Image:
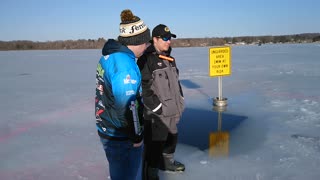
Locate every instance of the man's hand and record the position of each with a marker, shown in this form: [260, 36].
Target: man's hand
[138, 144]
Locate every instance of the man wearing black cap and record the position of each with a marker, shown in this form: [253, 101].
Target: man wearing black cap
[118, 106]
[163, 102]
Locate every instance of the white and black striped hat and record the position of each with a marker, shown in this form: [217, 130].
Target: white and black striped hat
[133, 31]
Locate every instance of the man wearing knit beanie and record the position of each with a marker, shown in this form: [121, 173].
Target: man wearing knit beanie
[118, 106]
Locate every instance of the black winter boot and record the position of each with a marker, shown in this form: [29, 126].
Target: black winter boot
[169, 164]
[152, 173]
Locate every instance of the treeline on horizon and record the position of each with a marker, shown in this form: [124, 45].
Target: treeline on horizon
[183, 42]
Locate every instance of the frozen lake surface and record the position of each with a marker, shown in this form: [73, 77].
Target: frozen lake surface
[270, 129]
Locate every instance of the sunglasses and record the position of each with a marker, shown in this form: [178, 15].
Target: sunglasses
[165, 38]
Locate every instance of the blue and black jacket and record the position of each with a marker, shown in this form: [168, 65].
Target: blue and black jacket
[118, 83]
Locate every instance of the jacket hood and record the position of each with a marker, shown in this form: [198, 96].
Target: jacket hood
[113, 46]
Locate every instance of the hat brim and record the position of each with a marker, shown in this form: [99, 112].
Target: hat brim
[169, 35]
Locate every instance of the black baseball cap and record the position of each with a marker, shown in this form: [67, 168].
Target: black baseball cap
[162, 30]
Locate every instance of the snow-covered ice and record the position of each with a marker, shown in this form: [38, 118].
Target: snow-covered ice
[269, 130]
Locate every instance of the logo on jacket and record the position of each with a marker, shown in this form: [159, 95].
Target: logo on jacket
[130, 92]
[100, 70]
[106, 57]
[128, 80]
[100, 88]
[159, 63]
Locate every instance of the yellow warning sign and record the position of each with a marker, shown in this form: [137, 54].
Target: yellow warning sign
[219, 61]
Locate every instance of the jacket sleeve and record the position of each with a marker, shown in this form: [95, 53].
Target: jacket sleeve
[180, 88]
[150, 99]
[103, 87]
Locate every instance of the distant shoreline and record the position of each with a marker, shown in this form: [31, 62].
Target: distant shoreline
[182, 42]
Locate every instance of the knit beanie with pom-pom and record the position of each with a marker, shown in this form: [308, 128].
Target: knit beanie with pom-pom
[133, 31]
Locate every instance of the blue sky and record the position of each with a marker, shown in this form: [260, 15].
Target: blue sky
[44, 20]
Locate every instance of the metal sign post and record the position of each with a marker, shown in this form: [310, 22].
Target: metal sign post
[220, 87]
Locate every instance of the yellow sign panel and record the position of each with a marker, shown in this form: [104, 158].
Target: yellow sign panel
[220, 61]
[219, 144]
